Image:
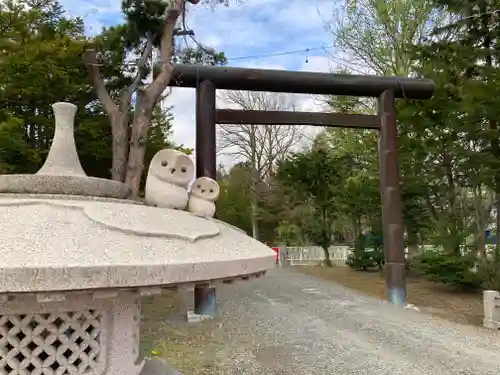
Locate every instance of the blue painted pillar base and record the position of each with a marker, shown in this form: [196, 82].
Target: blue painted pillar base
[397, 296]
[205, 302]
[395, 282]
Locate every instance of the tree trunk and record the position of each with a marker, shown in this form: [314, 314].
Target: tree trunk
[328, 261]
[255, 180]
[497, 221]
[481, 218]
[119, 130]
[356, 227]
[413, 248]
[255, 221]
[138, 137]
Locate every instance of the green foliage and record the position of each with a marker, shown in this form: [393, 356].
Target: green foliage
[200, 55]
[41, 64]
[489, 269]
[15, 153]
[366, 253]
[233, 205]
[316, 176]
[288, 233]
[455, 270]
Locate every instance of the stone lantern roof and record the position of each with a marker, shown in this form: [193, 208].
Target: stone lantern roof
[76, 256]
[63, 230]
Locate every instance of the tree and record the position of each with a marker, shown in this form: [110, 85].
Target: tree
[121, 81]
[261, 147]
[462, 151]
[41, 64]
[360, 196]
[316, 176]
[234, 203]
[379, 37]
[377, 34]
[474, 49]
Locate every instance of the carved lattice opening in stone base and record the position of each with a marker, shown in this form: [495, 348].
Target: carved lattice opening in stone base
[52, 344]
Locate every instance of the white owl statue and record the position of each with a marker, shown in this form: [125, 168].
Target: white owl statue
[168, 178]
[204, 193]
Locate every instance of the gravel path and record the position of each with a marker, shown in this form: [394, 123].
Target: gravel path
[290, 323]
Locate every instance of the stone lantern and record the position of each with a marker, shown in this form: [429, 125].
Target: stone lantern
[76, 256]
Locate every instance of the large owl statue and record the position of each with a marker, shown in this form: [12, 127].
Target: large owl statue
[168, 178]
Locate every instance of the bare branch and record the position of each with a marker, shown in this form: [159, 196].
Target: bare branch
[92, 62]
[263, 146]
[141, 64]
[161, 81]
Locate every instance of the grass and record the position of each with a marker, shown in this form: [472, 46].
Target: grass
[193, 348]
[436, 299]
[189, 348]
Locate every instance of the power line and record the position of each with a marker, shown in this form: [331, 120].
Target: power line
[250, 57]
[305, 50]
[293, 52]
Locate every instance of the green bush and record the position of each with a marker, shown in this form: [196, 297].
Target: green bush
[456, 270]
[489, 269]
[367, 253]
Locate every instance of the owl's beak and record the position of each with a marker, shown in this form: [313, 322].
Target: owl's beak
[203, 190]
[172, 170]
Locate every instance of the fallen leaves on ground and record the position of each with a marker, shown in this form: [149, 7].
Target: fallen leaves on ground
[436, 299]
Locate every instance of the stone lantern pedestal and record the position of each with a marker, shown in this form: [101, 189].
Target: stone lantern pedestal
[70, 333]
[76, 257]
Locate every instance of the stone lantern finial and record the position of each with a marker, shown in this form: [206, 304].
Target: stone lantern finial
[62, 172]
[63, 158]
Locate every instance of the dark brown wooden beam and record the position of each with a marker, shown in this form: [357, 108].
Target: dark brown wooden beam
[227, 78]
[206, 164]
[392, 219]
[236, 116]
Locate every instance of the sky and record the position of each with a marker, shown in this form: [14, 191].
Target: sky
[252, 28]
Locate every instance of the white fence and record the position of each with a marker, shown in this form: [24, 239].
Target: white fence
[310, 255]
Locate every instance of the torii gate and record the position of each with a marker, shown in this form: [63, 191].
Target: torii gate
[207, 79]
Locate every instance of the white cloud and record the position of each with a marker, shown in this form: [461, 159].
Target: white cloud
[255, 28]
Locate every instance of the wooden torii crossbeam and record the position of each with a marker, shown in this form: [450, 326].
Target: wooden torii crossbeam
[207, 79]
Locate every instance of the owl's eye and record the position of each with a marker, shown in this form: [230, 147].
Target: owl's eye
[183, 169]
[164, 163]
[211, 190]
[198, 186]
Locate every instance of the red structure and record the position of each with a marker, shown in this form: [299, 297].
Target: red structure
[276, 250]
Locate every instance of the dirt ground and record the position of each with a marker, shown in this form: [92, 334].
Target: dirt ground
[436, 299]
[212, 347]
[189, 347]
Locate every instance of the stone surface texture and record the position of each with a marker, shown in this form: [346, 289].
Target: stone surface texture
[288, 323]
[158, 367]
[64, 244]
[68, 185]
[74, 261]
[204, 192]
[63, 144]
[77, 333]
[169, 175]
[491, 299]
[55, 241]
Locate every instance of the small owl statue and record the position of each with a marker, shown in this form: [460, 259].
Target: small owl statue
[204, 193]
[168, 178]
